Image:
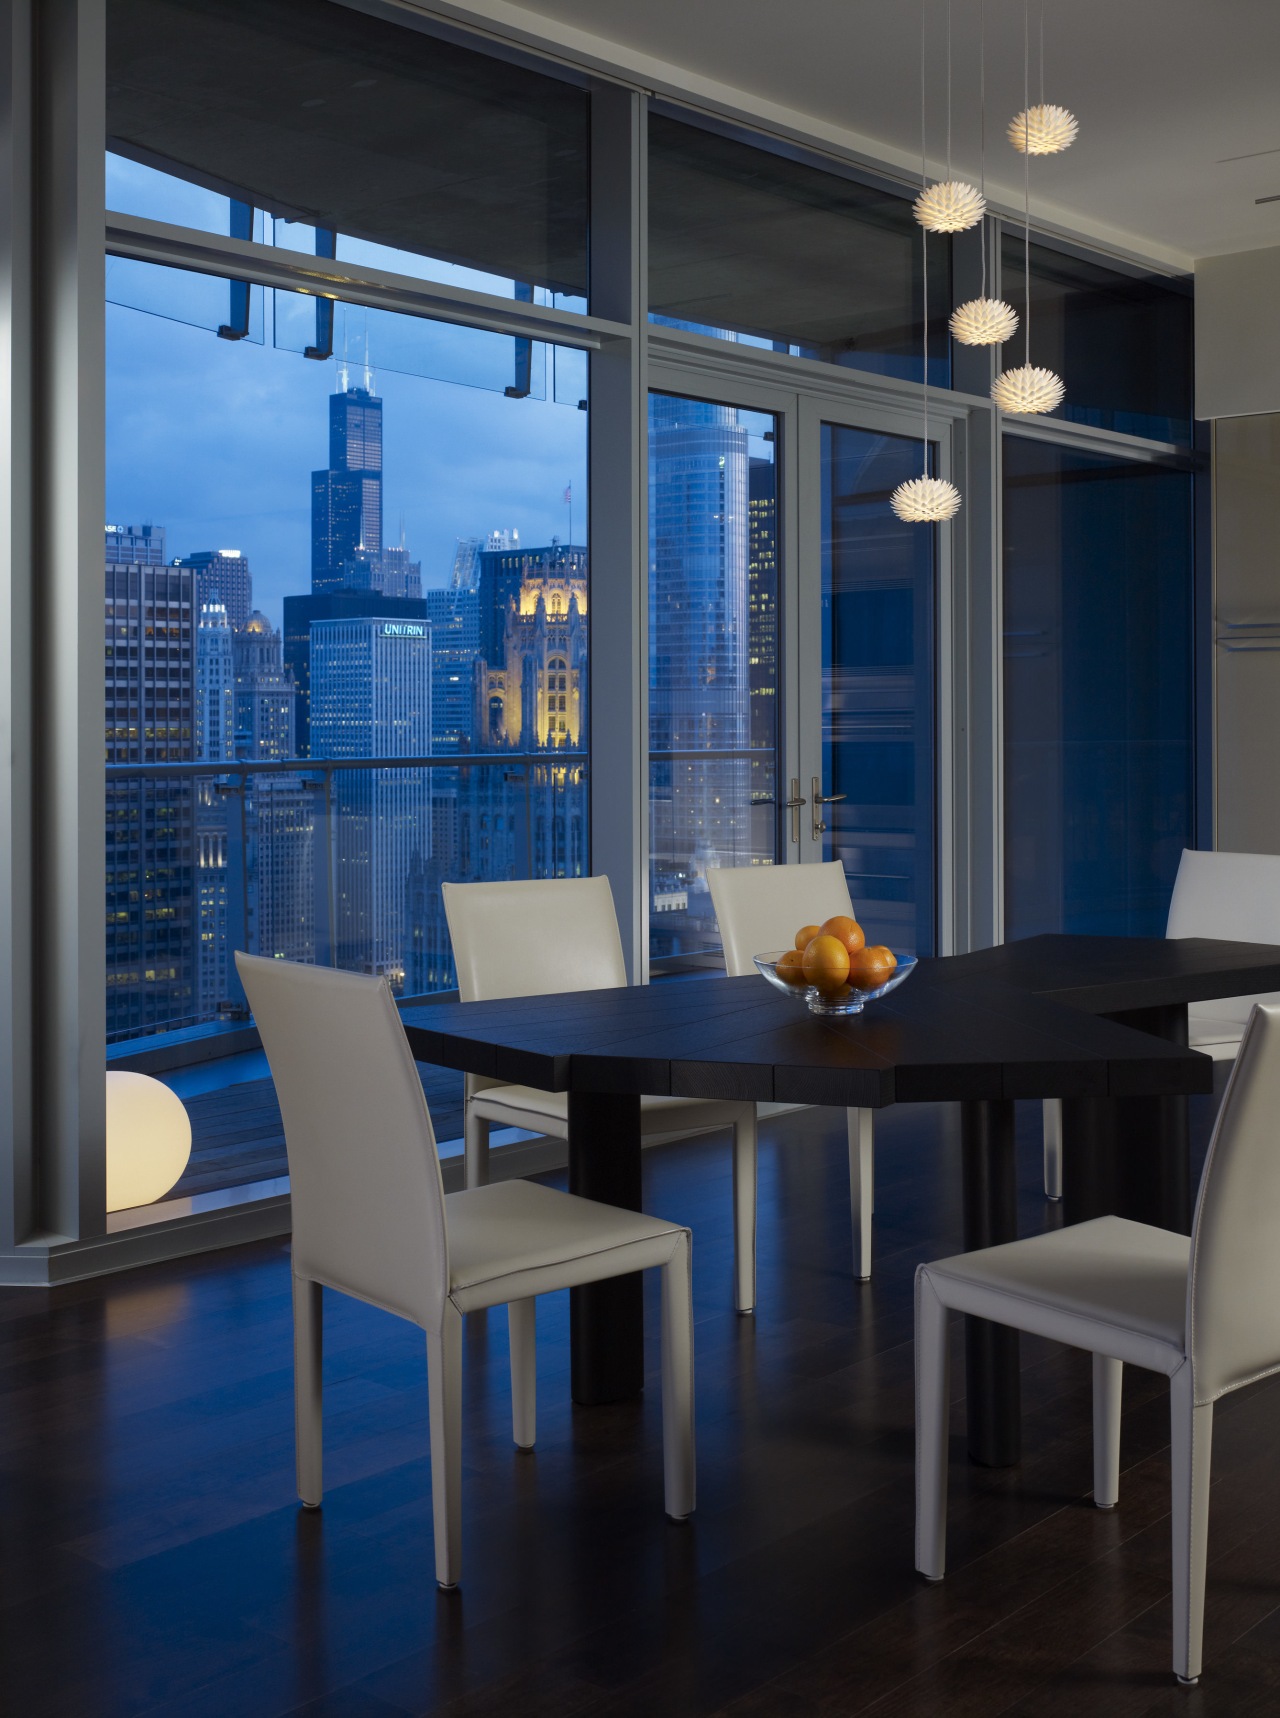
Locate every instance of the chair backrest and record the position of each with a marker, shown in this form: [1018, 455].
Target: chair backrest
[1233, 1292]
[760, 908]
[368, 1201]
[1234, 897]
[534, 938]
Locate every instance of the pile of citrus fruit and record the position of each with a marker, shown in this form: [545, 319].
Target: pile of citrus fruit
[835, 959]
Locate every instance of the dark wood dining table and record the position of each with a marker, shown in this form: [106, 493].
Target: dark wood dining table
[1099, 1022]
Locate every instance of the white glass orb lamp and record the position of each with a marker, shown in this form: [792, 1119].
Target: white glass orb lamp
[148, 1139]
[983, 322]
[1027, 390]
[950, 206]
[1043, 130]
[924, 500]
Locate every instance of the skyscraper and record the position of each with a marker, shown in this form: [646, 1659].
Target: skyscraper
[699, 636]
[301, 612]
[215, 742]
[455, 643]
[504, 568]
[222, 575]
[264, 692]
[150, 718]
[346, 499]
[371, 698]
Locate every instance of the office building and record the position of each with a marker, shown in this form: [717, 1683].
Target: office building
[135, 545]
[504, 569]
[371, 698]
[700, 635]
[454, 614]
[346, 499]
[302, 612]
[222, 576]
[215, 742]
[150, 639]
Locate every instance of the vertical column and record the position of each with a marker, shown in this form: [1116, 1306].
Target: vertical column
[17, 1178]
[618, 601]
[51, 681]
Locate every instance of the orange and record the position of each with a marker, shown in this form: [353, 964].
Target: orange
[790, 968]
[872, 967]
[826, 963]
[805, 935]
[848, 930]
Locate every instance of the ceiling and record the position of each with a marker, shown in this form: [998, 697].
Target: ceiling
[1178, 100]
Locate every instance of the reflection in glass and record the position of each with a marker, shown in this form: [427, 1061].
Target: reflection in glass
[389, 138]
[713, 659]
[1121, 341]
[748, 244]
[1097, 690]
[878, 653]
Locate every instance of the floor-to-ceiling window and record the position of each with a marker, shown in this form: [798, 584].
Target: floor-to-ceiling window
[336, 532]
[1098, 689]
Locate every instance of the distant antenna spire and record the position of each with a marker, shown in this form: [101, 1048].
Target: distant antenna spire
[368, 373]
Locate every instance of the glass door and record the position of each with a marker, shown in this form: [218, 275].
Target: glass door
[867, 678]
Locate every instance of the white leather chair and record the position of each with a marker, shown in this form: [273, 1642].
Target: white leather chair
[1231, 896]
[561, 935]
[1204, 1311]
[760, 908]
[371, 1218]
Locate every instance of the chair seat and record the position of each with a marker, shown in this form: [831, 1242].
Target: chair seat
[515, 1105]
[518, 1238]
[1111, 1285]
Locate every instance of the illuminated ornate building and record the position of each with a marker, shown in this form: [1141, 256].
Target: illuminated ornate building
[535, 698]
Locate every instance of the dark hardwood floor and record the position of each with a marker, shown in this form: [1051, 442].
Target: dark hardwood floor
[154, 1562]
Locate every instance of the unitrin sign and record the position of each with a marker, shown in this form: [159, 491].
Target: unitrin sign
[403, 629]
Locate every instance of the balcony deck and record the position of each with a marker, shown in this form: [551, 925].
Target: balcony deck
[238, 1136]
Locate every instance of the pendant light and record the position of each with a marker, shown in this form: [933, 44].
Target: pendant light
[950, 205]
[926, 499]
[1043, 129]
[982, 321]
[1030, 389]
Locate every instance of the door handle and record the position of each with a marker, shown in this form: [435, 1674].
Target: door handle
[819, 826]
[793, 806]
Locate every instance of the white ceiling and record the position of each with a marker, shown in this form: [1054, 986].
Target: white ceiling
[1178, 100]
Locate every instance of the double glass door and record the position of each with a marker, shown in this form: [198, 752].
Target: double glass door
[792, 660]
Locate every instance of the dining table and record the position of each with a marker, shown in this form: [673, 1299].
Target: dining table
[1099, 1022]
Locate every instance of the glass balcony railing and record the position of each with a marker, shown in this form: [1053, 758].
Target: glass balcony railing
[336, 861]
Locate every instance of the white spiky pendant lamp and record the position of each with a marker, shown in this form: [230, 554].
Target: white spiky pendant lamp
[983, 321]
[927, 499]
[1030, 389]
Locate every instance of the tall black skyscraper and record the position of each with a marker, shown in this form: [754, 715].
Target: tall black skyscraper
[346, 500]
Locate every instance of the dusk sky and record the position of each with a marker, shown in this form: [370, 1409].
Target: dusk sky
[216, 439]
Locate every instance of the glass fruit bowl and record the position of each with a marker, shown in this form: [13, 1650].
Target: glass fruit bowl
[846, 1000]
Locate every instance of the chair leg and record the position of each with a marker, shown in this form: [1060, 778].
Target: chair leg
[678, 1453]
[744, 1213]
[475, 1141]
[861, 1126]
[933, 1415]
[308, 1351]
[1108, 1379]
[1052, 1113]
[1192, 1438]
[522, 1332]
[444, 1390]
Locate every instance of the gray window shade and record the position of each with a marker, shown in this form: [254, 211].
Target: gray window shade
[746, 241]
[325, 115]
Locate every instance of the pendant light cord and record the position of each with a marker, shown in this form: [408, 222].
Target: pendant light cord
[1026, 172]
[924, 231]
[982, 133]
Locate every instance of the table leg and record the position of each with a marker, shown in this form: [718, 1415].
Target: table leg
[1132, 1155]
[606, 1320]
[992, 1387]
